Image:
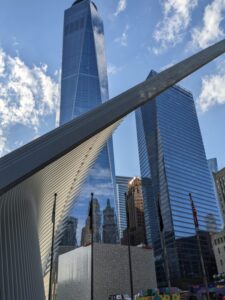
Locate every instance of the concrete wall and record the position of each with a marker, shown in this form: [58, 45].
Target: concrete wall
[111, 272]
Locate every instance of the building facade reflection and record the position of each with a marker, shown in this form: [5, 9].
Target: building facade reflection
[135, 209]
[121, 189]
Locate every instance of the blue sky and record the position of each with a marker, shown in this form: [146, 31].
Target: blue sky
[139, 36]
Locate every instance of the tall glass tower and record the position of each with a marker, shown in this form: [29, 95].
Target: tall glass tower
[121, 189]
[85, 86]
[172, 155]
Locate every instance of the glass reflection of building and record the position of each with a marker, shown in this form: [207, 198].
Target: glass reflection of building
[109, 228]
[69, 237]
[121, 189]
[96, 225]
[136, 213]
[85, 86]
[213, 169]
[172, 156]
[213, 166]
[220, 186]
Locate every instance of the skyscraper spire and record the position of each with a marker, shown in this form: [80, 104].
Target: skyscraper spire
[76, 2]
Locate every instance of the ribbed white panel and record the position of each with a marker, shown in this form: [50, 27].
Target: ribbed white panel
[26, 211]
[20, 261]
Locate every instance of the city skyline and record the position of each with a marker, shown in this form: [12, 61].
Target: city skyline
[124, 54]
[42, 178]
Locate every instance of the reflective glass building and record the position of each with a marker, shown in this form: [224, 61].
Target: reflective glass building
[84, 86]
[172, 156]
[121, 189]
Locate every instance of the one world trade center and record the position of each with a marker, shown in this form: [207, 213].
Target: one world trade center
[84, 86]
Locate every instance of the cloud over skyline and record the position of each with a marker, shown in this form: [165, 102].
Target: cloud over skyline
[176, 19]
[122, 4]
[212, 89]
[211, 29]
[113, 70]
[27, 94]
[123, 39]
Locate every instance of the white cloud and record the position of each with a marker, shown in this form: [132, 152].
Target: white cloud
[27, 94]
[211, 30]
[123, 39]
[2, 142]
[176, 19]
[102, 190]
[2, 63]
[98, 172]
[120, 7]
[167, 66]
[212, 89]
[113, 70]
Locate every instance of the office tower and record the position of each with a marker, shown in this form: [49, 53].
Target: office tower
[84, 86]
[220, 185]
[110, 231]
[121, 189]
[96, 225]
[218, 242]
[172, 154]
[70, 233]
[147, 193]
[86, 233]
[135, 209]
[213, 166]
[97, 221]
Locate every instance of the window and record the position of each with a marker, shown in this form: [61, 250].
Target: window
[221, 262]
[219, 250]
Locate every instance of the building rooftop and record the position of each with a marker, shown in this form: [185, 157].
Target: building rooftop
[78, 1]
[221, 172]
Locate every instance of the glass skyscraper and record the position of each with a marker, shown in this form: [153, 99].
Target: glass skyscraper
[85, 86]
[121, 189]
[172, 156]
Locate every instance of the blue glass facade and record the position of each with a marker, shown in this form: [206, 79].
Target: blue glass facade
[172, 155]
[213, 166]
[121, 189]
[85, 86]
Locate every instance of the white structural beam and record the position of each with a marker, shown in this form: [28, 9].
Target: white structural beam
[27, 160]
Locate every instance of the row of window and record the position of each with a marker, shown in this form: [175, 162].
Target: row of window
[219, 240]
[220, 251]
